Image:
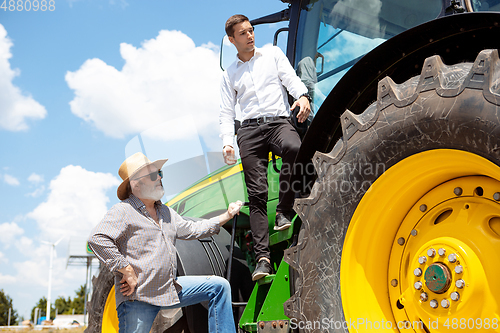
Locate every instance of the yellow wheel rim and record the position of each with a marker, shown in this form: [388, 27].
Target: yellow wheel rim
[430, 205]
[109, 315]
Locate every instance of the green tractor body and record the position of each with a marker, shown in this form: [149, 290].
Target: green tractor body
[210, 196]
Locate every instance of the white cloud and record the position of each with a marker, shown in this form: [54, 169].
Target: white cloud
[167, 77]
[27, 269]
[11, 180]
[7, 279]
[35, 178]
[25, 246]
[348, 46]
[356, 45]
[76, 202]
[9, 233]
[36, 193]
[16, 107]
[371, 26]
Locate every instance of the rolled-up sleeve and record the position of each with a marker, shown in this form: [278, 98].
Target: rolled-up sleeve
[103, 239]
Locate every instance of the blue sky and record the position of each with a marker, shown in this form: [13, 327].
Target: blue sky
[77, 85]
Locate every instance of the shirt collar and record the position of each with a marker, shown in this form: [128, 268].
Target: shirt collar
[257, 52]
[137, 203]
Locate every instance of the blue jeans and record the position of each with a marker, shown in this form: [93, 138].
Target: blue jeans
[138, 317]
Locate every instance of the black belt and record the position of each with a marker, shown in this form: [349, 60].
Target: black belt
[261, 120]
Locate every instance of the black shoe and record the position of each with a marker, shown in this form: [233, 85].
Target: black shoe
[281, 222]
[262, 269]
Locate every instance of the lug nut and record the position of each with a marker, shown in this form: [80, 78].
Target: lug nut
[414, 232]
[424, 297]
[442, 252]
[401, 241]
[496, 196]
[417, 272]
[455, 296]
[460, 284]
[418, 285]
[458, 191]
[445, 303]
[452, 257]
[394, 282]
[423, 208]
[459, 269]
[422, 260]
[434, 304]
[431, 252]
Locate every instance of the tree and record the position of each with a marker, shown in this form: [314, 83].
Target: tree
[5, 305]
[79, 300]
[42, 306]
[63, 306]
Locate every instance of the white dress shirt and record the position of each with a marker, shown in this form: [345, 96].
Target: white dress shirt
[258, 85]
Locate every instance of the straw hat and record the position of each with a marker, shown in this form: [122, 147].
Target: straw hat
[130, 167]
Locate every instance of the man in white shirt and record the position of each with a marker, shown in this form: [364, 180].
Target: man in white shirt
[256, 81]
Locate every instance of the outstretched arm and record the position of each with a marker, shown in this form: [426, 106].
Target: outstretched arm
[188, 229]
[233, 209]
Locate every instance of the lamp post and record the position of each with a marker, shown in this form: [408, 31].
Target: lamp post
[52, 247]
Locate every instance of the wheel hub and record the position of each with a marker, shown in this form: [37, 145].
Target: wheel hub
[438, 274]
[437, 278]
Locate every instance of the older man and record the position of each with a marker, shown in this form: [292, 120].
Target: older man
[136, 241]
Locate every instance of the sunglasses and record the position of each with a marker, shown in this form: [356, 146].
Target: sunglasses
[153, 175]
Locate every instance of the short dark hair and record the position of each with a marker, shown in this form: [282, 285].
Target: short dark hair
[232, 21]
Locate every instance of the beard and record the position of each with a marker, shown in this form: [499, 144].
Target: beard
[152, 192]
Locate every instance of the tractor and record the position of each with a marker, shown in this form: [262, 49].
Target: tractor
[397, 180]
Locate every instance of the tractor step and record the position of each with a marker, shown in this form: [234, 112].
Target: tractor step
[282, 235]
[266, 279]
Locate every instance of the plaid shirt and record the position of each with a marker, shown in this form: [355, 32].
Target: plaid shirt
[129, 235]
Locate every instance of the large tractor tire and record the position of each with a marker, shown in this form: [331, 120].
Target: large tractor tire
[401, 231]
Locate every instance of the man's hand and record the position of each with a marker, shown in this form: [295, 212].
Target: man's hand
[129, 280]
[305, 108]
[228, 153]
[233, 209]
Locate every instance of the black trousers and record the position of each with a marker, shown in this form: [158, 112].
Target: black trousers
[255, 142]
